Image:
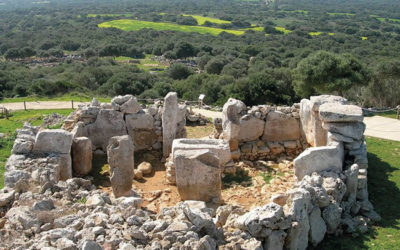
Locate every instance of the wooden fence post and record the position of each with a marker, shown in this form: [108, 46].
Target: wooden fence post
[398, 112]
[24, 105]
[72, 103]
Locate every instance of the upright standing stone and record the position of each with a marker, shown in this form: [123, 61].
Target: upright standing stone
[231, 122]
[82, 155]
[120, 159]
[169, 121]
[198, 176]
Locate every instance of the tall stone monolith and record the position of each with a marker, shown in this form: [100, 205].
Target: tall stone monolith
[120, 158]
[169, 121]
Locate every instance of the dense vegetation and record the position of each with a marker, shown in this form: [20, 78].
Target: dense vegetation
[288, 50]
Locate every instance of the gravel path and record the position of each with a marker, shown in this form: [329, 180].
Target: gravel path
[377, 126]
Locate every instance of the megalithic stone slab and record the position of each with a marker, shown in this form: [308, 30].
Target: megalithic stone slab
[198, 176]
[169, 121]
[121, 160]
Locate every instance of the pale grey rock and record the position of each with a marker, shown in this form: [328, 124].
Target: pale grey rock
[65, 244]
[351, 182]
[222, 214]
[231, 122]
[332, 112]
[316, 159]
[281, 127]
[219, 147]
[91, 245]
[169, 121]
[251, 243]
[317, 101]
[22, 215]
[298, 206]
[53, 141]
[331, 215]
[139, 121]
[95, 200]
[353, 130]
[65, 166]
[120, 158]
[251, 129]
[6, 197]
[198, 175]
[13, 176]
[131, 106]
[43, 205]
[109, 123]
[145, 167]
[95, 102]
[22, 146]
[275, 240]
[260, 218]
[129, 202]
[317, 227]
[82, 156]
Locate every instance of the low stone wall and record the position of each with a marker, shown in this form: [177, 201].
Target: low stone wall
[262, 132]
[100, 122]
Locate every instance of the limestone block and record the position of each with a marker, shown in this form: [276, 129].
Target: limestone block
[316, 159]
[219, 147]
[250, 129]
[317, 227]
[109, 123]
[231, 121]
[275, 240]
[82, 155]
[281, 127]
[53, 141]
[198, 176]
[65, 164]
[331, 216]
[332, 112]
[317, 101]
[353, 130]
[121, 161]
[139, 120]
[22, 146]
[169, 121]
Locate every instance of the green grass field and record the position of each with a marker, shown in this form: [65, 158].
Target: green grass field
[109, 15]
[131, 25]
[8, 127]
[340, 14]
[75, 96]
[201, 19]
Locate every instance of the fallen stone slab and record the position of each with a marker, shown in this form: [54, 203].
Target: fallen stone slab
[332, 112]
[316, 159]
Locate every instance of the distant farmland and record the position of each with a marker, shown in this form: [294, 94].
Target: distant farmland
[201, 19]
[131, 25]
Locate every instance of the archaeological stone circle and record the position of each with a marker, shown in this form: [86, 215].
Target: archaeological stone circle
[50, 202]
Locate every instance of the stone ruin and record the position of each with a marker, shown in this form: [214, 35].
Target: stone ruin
[44, 206]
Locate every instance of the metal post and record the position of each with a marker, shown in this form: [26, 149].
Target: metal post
[398, 112]
[25, 105]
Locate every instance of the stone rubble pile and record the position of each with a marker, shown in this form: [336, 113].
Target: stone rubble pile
[262, 132]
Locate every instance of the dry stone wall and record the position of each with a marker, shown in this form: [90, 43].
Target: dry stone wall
[262, 132]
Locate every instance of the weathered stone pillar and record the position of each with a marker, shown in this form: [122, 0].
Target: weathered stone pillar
[82, 156]
[169, 121]
[231, 122]
[120, 159]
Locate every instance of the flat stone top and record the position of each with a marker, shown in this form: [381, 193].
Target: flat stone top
[317, 101]
[334, 112]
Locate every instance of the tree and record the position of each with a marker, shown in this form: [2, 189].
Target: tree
[216, 64]
[325, 72]
[179, 71]
[184, 49]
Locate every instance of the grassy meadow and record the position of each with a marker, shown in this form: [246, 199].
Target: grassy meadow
[202, 19]
[132, 25]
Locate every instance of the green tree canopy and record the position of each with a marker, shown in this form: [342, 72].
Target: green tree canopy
[326, 72]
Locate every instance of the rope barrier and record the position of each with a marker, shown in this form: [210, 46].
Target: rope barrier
[380, 111]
